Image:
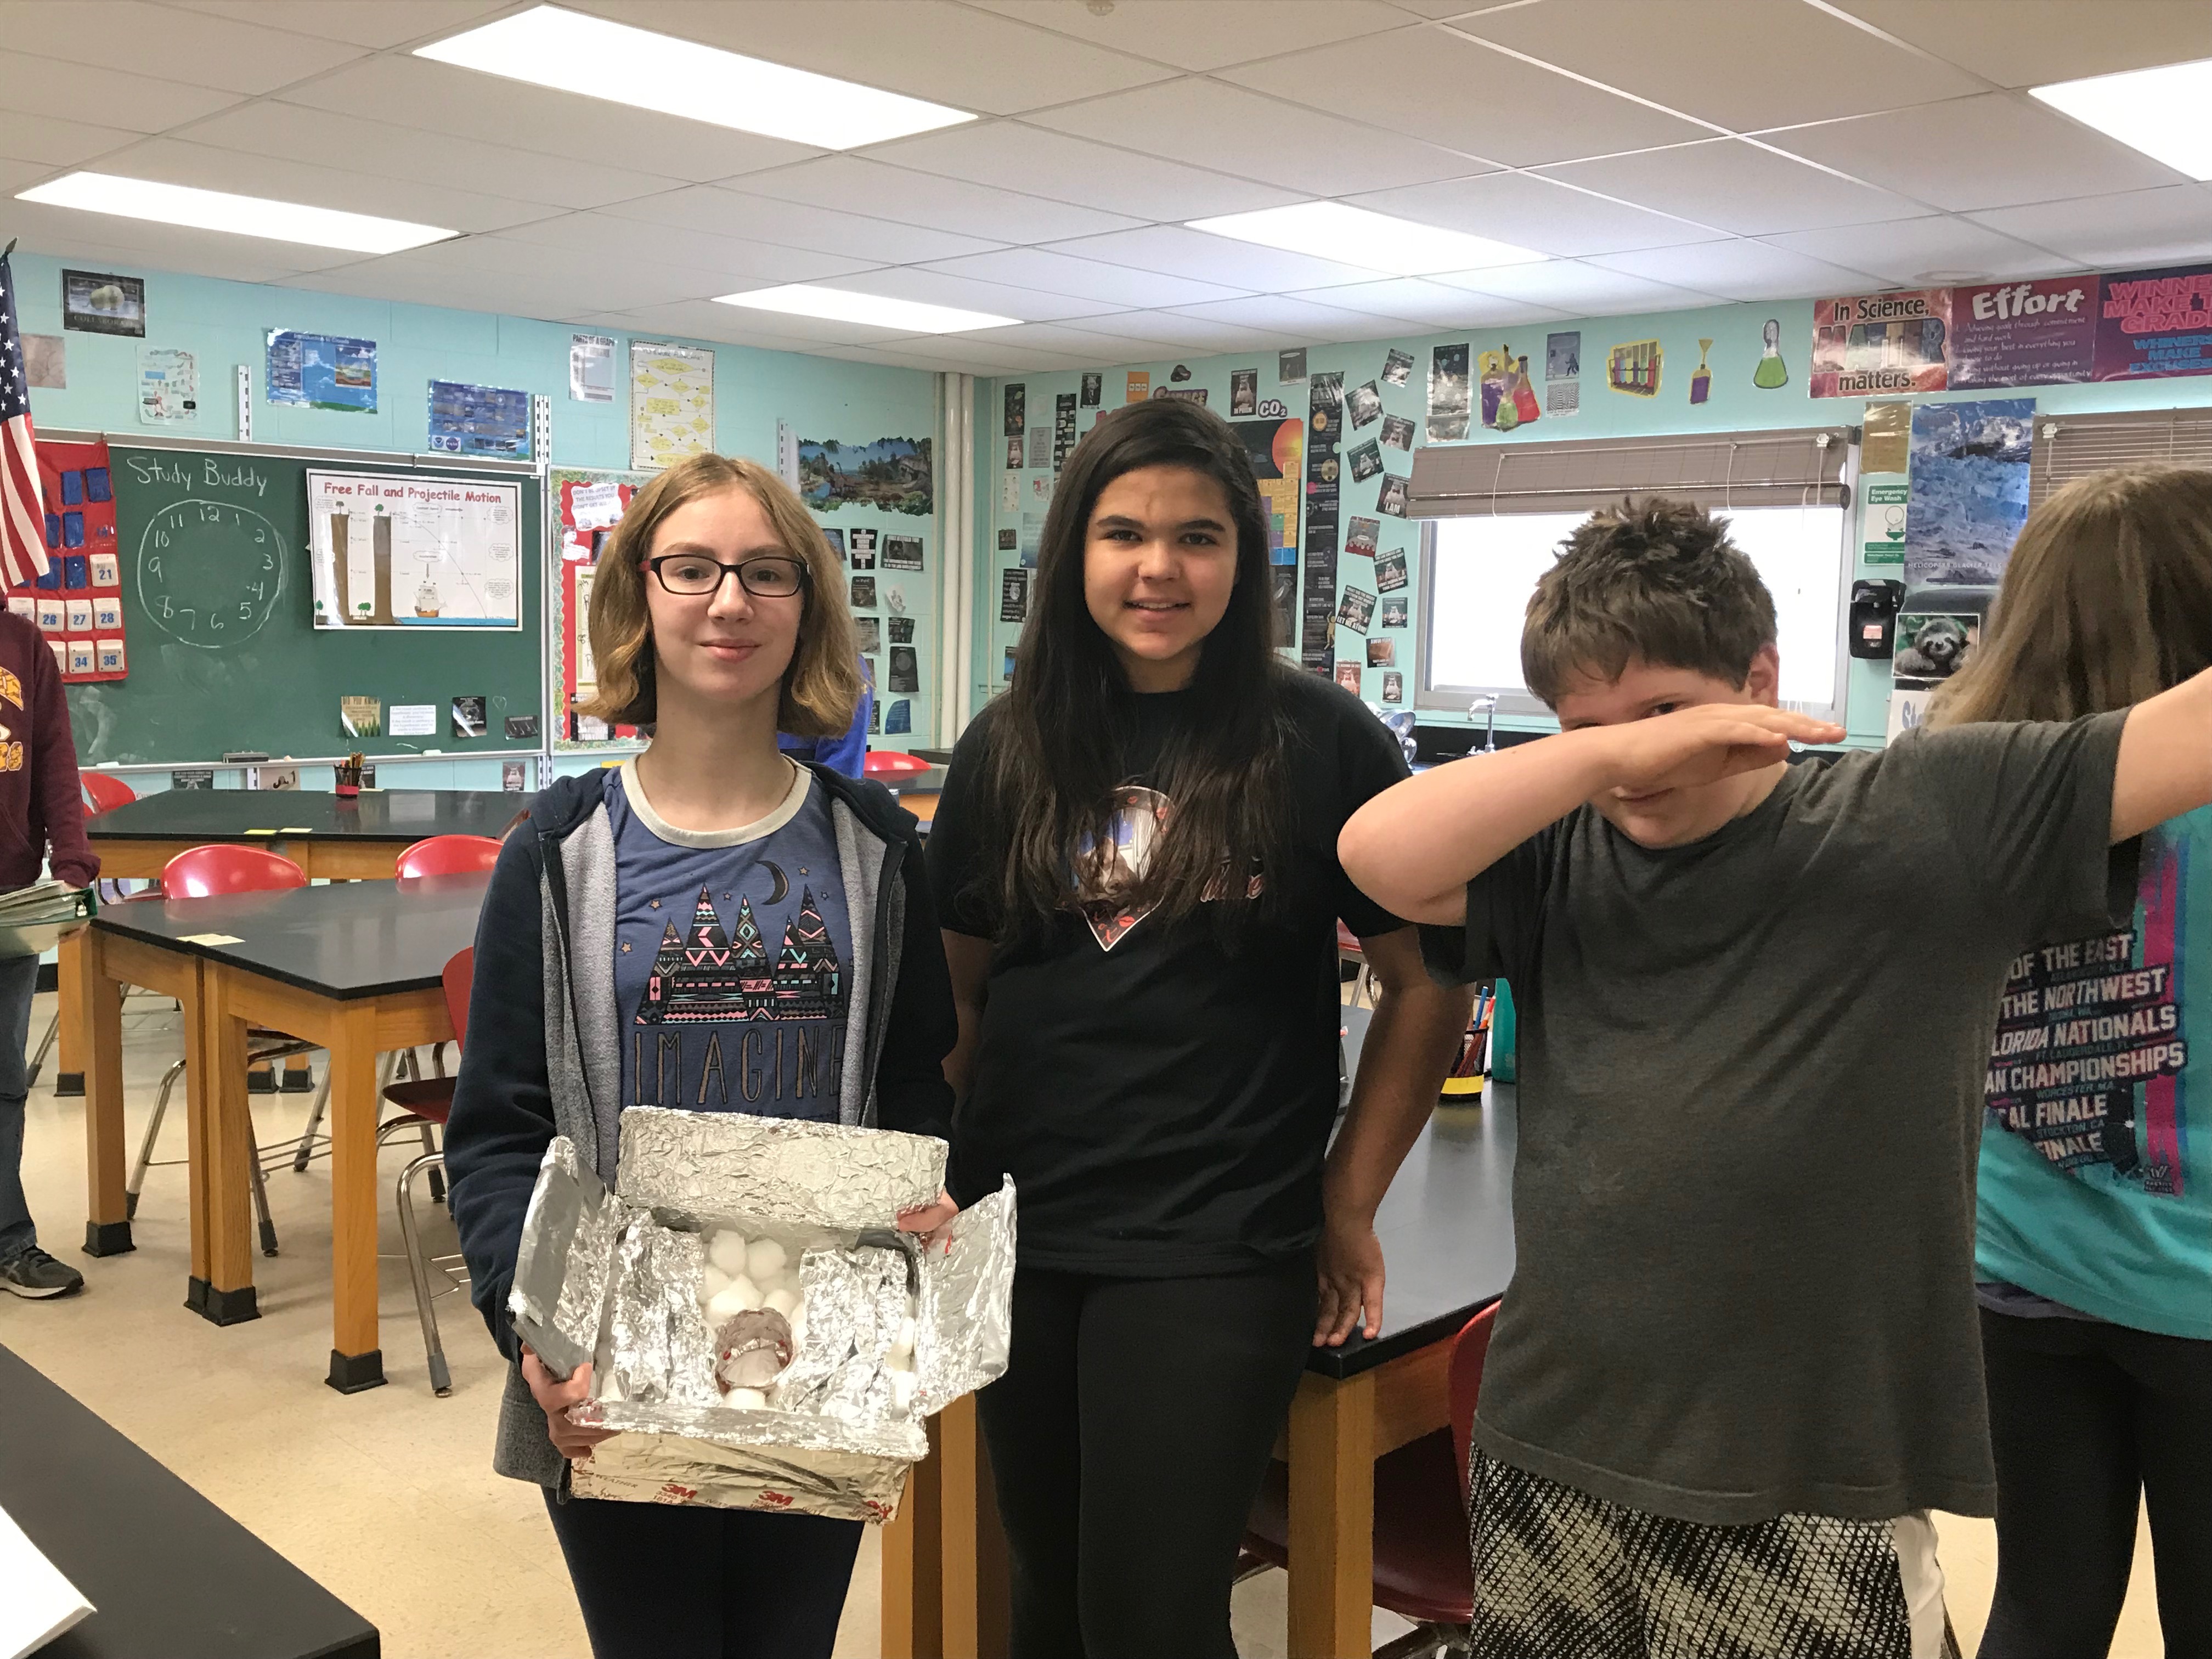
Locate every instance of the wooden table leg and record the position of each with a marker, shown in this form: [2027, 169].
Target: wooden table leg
[1332, 1517]
[72, 1041]
[97, 1003]
[356, 1362]
[978, 1607]
[913, 1563]
[221, 1287]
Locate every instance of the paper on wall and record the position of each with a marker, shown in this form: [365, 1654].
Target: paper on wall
[40, 1604]
[672, 404]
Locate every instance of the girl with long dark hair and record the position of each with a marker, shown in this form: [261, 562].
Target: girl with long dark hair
[1135, 855]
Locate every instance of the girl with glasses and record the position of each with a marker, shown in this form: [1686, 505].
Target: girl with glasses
[713, 927]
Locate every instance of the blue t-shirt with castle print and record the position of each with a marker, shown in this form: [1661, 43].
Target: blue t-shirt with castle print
[733, 957]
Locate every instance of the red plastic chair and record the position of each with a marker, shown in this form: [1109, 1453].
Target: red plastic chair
[883, 761]
[105, 791]
[448, 855]
[1422, 1569]
[424, 1102]
[215, 872]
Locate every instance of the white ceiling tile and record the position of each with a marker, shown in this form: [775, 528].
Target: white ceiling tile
[1184, 332]
[1996, 150]
[1434, 305]
[949, 54]
[1089, 279]
[45, 85]
[722, 324]
[1013, 156]
[1175, 251]
[1735, 186]
[606, 279]
[1901, 251]
[1531, 211]
[461, 290]
[1206, 37]
[1069, 339]
[763, 219]
[1431, 83]
[171, 45]
[2030, 43]
[726, 256]
[1739, 270]
[855, 184]
[107, 243]
[979, 353]
[55, 141]
[891, 357]
[326, 138]
[934, 287]
[2140, 228]
[377, 23]
[1276, 313]
[1579, 289]
[172, 161]
[704, 319]
[1739, 66]
[441, 98]
[1242, 132]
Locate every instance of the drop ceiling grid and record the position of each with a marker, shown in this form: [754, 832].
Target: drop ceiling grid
[1641, 185]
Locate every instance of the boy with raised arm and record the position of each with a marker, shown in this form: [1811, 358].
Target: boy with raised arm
[1738, 1360]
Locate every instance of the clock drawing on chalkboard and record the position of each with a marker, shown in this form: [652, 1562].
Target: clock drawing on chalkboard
[209, 573]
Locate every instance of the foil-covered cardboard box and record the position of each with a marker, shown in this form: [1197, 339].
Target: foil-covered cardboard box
[760, 1333]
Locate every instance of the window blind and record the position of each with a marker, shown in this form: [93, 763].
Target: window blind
[2071, 447]
[1799, 467]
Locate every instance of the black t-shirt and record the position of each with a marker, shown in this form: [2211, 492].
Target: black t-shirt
[1162, 1098]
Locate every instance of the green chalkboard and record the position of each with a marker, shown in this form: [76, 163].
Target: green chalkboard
[217, 611]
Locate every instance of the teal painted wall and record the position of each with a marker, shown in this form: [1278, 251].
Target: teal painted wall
[224, 323]
[1735, 403]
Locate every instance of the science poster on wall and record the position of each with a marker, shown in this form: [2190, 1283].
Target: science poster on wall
[168, 388]
[2151, 323]
[672, 404]
[1970, 465]
[1447, 394]
[389, 550]
[1872, 345]
[321, 371]
[892, 474]
[1324, 490]
[479, 420]
[587, 506]
[2023, 333]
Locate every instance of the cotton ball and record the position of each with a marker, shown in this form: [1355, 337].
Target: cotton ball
[745, 1400]
[728, 1252]
[765, 1259]
[904, 1342]
[783, 1302]
[897, 1362]
[903, 1387]
[740, 1296]
[712, 1283]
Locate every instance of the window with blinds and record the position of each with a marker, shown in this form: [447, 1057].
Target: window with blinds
[1799, 467]
[2071, 447]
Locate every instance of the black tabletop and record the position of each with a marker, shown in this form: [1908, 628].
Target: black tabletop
[169, 1575]
[349, 939]
[913, 783]
[405, 816]
[1446, 1226]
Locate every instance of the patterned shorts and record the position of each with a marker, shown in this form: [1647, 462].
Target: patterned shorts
[1561, 1575]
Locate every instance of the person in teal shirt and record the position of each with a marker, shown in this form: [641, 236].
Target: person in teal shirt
[2094, 1230]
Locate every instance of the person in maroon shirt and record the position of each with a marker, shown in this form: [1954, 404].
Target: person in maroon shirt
[41, 823]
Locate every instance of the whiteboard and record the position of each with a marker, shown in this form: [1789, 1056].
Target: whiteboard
[390, 550]
[1484, 569]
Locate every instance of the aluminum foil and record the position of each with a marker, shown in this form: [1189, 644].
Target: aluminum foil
[716, 1163]
[622, 1273]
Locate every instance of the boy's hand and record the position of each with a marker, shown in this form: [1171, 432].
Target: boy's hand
[1350, 1261]
[930, 1221]
[1702, 744]
[573, 1441]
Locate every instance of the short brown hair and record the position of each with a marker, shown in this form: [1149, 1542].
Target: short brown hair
[822, 686]
[2107, 600]
[1654, 578]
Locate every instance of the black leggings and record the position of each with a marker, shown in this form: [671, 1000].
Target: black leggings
[659, 1581]
[1127, 1439]
[2086, 1418]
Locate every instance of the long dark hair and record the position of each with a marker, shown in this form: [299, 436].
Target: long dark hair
[1060, 740]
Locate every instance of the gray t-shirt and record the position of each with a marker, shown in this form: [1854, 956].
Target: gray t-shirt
[1750, 1100]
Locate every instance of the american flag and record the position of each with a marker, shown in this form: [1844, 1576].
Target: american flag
[22, 514]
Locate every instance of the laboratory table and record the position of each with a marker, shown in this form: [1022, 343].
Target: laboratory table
[168, 1574]
[356, 968]
[1447, 1230]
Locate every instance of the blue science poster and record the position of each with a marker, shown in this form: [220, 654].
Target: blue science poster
[1969, 463]
[479, 420]
[322, 371]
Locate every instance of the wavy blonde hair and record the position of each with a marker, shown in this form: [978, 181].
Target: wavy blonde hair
[2107, 600]
[822, 686]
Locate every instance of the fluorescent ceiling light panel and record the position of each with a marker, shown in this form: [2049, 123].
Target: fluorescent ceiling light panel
[842, 305]
[241, 215]
[572, 52]
[1354, 236]
[2160, 111]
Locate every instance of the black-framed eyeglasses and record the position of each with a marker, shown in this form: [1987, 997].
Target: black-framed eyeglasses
[767, 576]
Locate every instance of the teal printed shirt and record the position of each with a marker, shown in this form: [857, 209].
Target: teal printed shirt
[2095, 1184]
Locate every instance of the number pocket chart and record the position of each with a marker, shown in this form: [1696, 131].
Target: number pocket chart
[389, 550]
[78, 604]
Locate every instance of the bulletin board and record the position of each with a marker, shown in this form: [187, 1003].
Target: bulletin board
[78, 604]
[585, 505]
